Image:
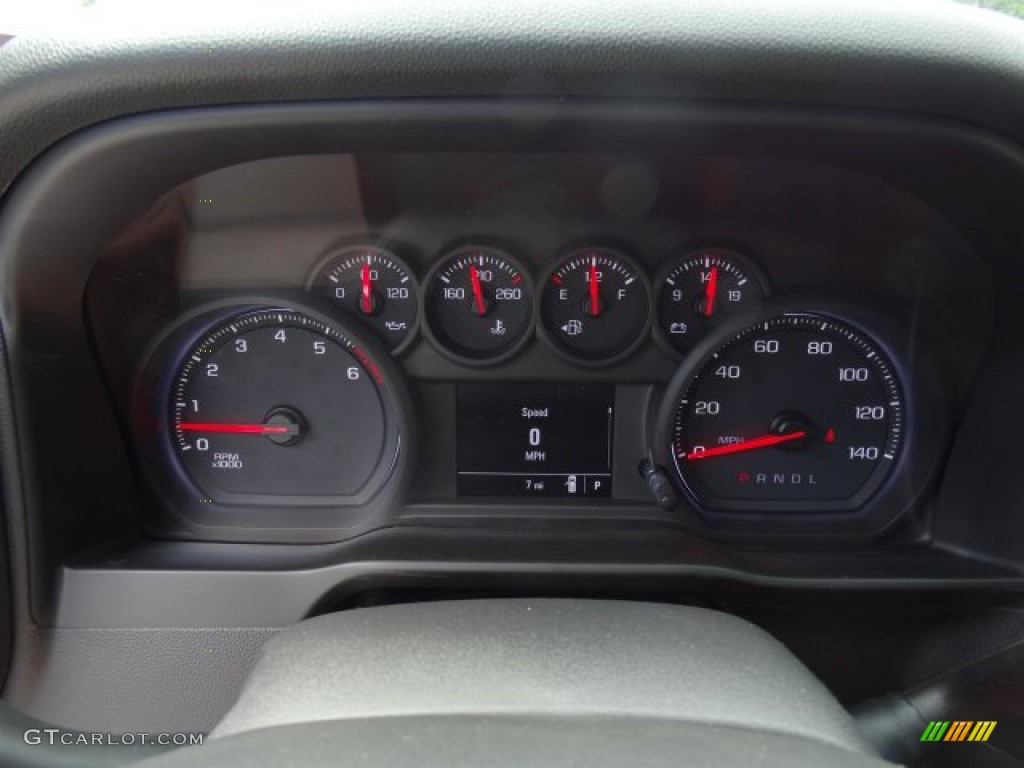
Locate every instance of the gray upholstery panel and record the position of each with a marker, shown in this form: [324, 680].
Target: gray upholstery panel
[512, 742]
[537, 657]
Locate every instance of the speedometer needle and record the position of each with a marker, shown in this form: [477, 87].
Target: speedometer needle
[710, 291]
[239, 429]
[478, 291]
[747, 445]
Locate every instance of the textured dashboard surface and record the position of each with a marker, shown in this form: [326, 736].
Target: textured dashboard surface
[555, 658]
[925, 58]
[182, 680]
[523, 742]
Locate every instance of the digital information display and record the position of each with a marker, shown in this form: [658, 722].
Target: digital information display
[535, 439]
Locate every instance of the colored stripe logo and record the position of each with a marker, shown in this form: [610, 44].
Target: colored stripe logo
[959, 730]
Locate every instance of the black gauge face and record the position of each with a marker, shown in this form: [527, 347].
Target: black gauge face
[701, 291]
[273, 406]
[797, 413]
[595, 306]
[375, 287]
[479, 305]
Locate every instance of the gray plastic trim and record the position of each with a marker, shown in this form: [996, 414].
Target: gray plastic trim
[110, 598]
[132, 680]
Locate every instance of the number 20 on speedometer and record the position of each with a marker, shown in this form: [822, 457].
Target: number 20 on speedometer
[798, 412]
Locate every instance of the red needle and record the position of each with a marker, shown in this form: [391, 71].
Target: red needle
[241, 429]
[367, 289]
[595, 308]
[709, 292]
[478, 291]
[747, 445]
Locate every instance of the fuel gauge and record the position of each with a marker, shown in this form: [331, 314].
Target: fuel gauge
[595, 306]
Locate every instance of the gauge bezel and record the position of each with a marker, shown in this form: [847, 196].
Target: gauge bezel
[661, 337]
[446, 256]
[925, 438]
[552, 343]
[870, 484]
[398, 252]
[181, 510]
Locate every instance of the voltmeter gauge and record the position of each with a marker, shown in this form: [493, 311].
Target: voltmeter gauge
[373, 286]
[699, 292]
[595, 306]
[479, 305]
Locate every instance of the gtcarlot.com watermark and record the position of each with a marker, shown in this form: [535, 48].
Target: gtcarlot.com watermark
[55, 736]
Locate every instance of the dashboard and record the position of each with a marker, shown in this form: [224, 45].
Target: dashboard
[306, 347]
[720, 314]
[663, 327]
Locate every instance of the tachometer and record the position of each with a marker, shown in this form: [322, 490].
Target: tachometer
[273, 406]
[800, 412]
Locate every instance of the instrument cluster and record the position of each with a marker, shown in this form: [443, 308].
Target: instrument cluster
[495, 337]
[592, 305]
[786, 414]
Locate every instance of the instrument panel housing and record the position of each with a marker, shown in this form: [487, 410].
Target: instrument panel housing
[74, 268]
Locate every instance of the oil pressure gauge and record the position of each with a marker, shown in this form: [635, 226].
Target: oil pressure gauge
[373, 286]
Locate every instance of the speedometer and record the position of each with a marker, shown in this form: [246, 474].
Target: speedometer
[797, 413]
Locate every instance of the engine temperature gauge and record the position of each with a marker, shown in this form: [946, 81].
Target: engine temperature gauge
[595, 306]
[698, 292]
[479, 305]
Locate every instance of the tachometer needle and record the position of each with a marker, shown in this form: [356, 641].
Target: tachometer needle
[710, 291]
[478, 291]
[754, 443]
[595, 296]
[240, 429]
[367, 297]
